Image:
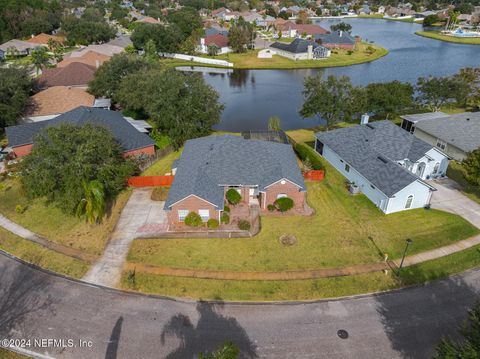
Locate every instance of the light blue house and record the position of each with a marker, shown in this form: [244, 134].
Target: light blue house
[384, 162]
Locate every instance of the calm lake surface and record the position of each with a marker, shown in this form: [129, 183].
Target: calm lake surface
[252, 96]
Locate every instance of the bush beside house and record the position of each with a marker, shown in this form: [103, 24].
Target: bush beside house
[193, 220]
[233, 197]
[284, 204]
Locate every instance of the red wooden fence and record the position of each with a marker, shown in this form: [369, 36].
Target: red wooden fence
[314, 175]
[150, 181]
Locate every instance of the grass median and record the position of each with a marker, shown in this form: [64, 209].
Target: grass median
[459, 40]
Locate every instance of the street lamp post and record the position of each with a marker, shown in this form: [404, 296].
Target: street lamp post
[408, 242]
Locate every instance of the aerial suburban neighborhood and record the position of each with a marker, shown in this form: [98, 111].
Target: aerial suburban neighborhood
[239, 179]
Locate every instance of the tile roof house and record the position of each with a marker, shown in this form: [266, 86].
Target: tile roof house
[21, 137]
[386, 163]
[260, 171]
[44, 38]
[337, 39]
[90, 58]
[220, 41]
[56, 100]
[456, 135]
[74, 74]
[300, 49]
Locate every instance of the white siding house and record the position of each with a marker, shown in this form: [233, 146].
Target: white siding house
[383, 161]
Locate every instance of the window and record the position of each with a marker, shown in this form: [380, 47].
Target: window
[347, 167]
[441, 144]
[204, 214]
[281, 195]
[436, 168]
[372, 186]
[409, 202]
[182, 213]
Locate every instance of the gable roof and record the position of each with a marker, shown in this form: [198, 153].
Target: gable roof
[90, 58]
[208, 163]
[310, 29]
[121, 41]
[74, 74]
[461, 130]
[44, 38]
[126, 135]
[218, 39]
[59, 99]
[373, 150]
[297, 46]
[336, 37]
[423, 116]
[19, 45]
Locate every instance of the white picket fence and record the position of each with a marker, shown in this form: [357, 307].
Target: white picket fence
[202, 60]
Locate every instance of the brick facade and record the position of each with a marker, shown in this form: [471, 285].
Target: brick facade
[21, 151]
[192, 204]
[150, 151]
[287, 188]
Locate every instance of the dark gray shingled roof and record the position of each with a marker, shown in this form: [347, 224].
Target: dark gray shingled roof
[423, 116]
[461, 130]
[297, 46]
[336, 37]
[128, 137]
[207, 163]
[373, 150]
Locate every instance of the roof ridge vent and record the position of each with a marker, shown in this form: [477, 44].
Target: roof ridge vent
[383, 159]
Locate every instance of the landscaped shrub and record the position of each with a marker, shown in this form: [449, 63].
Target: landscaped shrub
[244, 225]
[226, 209]
[284, 204]
[225, 219]
[20, 209]
[212, 223]
[159, 194]
[271, 207]
[233, 197]
[305, 153]
[193, 219]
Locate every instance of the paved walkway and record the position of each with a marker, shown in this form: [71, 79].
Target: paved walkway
[139, 212]
[449, 198]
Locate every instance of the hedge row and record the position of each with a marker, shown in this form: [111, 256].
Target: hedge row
[305, 151]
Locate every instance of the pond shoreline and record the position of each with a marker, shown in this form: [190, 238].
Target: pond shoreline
[435, 35]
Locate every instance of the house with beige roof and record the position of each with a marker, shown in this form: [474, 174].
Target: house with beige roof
[50, 103]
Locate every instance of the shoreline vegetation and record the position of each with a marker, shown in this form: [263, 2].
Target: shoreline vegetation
[250, 61]
[458, 40]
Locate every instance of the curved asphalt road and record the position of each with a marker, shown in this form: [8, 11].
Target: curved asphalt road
[39, 305]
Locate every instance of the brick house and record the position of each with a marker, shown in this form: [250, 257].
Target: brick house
[337, 40]
[260, 171]
[21, 137]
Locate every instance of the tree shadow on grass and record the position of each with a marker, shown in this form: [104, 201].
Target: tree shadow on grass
[416, 319]
[23, 294]
[208, 335]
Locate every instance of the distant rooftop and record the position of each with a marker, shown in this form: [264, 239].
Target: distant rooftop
[423, 116]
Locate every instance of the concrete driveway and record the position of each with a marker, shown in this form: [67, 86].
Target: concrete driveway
[448, 198]
[140, 215]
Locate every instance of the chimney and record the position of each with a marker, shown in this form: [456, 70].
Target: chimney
[364, 119]
[309, 52]
[202, 41]
[341, 33]
[97, 63]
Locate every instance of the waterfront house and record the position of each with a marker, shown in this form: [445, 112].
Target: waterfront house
[456, 135]
[384, 162]
[300, 49]
[261, 172]
[337, 40]
[219, 41]
[21, 137]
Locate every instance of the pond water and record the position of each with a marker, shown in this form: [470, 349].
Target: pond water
[252, 96]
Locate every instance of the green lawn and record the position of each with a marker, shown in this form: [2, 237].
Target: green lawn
[53, 224]
[163, 165]
[303, 289]
[457, 173]
[459, 40]
[6, 354]
[337, 235]
[249, 60]
[38, 255]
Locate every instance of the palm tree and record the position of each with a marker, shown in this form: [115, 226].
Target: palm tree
[40, 57]
[92, 205]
